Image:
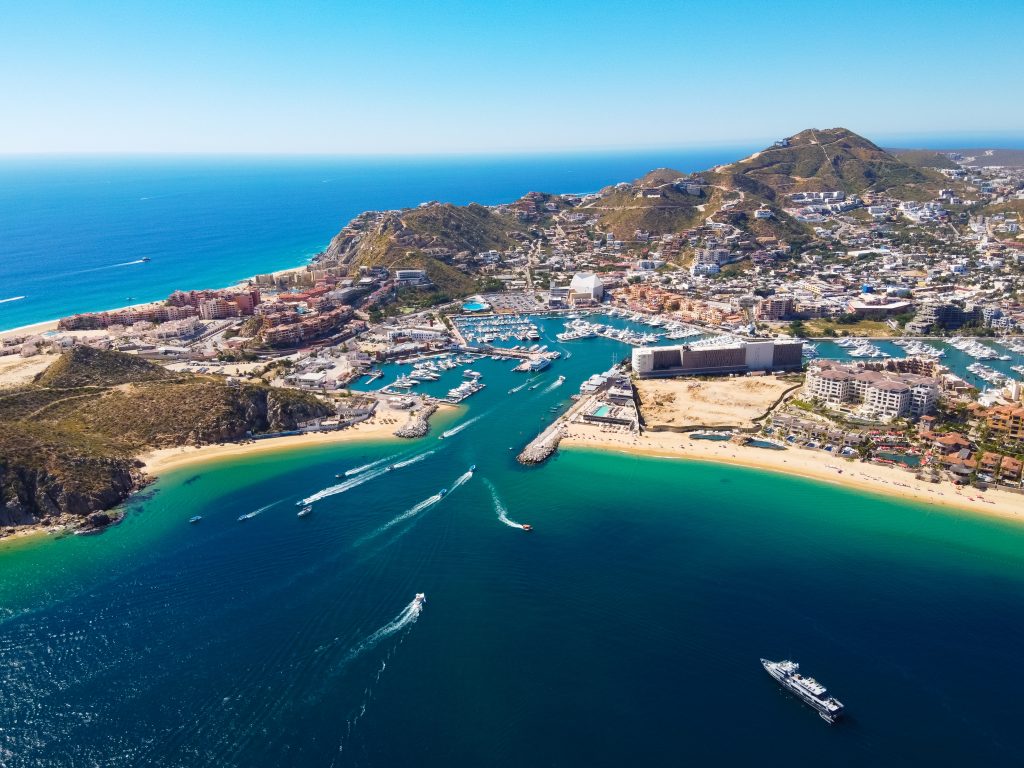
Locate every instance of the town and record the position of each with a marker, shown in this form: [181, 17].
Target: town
[858, 295]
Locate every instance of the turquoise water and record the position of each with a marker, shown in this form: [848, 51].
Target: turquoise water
[73, 231]
[474, 306]
[624, 630]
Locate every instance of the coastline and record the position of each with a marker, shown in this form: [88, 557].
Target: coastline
[160, 461]
[51, 325]
[857, 476]
[379, 428]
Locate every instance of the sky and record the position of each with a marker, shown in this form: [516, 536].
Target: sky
[442, 77]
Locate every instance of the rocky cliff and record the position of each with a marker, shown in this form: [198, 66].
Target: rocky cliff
[68, 442]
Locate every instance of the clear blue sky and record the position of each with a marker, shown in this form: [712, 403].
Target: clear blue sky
[448, 76]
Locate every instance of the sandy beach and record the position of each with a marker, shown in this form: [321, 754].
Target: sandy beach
[814, 465]
[51, 325]
[381, 427]
[30, 330]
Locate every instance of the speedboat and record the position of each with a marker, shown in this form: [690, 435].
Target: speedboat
[389, 467]
[472, 467]
[195, 519]
[305, 512]
[420, 598]
[527, 527]
[442, 492]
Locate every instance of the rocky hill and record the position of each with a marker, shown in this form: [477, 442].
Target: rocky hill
[823, 160]
[429, 237]
[68, 442]
[438, 237]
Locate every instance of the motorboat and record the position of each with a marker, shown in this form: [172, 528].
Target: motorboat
[195, 519]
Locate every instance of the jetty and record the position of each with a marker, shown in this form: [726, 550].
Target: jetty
[418, 423]
[540, 449]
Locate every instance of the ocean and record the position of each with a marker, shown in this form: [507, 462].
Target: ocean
[73, 231]
[625, 629]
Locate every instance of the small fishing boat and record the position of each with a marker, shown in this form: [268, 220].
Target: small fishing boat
[195, 519]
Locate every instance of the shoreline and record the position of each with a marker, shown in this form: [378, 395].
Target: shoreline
[380, 428]
[857, 476]
[43, 326]
[159, 461]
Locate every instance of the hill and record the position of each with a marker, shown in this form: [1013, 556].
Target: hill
[442, 239]
[823, 160]
[68, 441]
[429, 237]
[923, 158]
[88, 367]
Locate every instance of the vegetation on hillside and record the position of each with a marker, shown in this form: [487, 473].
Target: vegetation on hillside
[68, 441]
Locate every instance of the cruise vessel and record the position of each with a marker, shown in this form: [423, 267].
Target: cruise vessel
[810, 691]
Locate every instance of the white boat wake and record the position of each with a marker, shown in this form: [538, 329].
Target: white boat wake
[500, 508]
[414, 510]
[462, 480]
[371, 465]
[408, 616]
[13, 298]
[411, 512]
[455, 430]
[413, 460]
[261, 510]
[346, 485]
[553, 385]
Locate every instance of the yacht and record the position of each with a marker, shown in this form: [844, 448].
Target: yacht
[195, 519]
[807, 689]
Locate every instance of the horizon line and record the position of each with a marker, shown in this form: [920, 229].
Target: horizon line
[937, 141]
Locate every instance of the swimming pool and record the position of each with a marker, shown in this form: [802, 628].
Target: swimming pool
[475, 306]
[604, 410]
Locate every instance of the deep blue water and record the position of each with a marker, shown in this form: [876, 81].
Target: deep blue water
[73, 229]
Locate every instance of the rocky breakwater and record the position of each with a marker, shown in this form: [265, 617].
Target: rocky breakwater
[541, 447]
[418, 423]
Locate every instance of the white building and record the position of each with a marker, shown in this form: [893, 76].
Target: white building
[586, 285]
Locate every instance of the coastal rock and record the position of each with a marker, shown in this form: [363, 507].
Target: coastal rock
[419, 422]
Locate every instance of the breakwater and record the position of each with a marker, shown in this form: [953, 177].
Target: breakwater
[418, 423]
